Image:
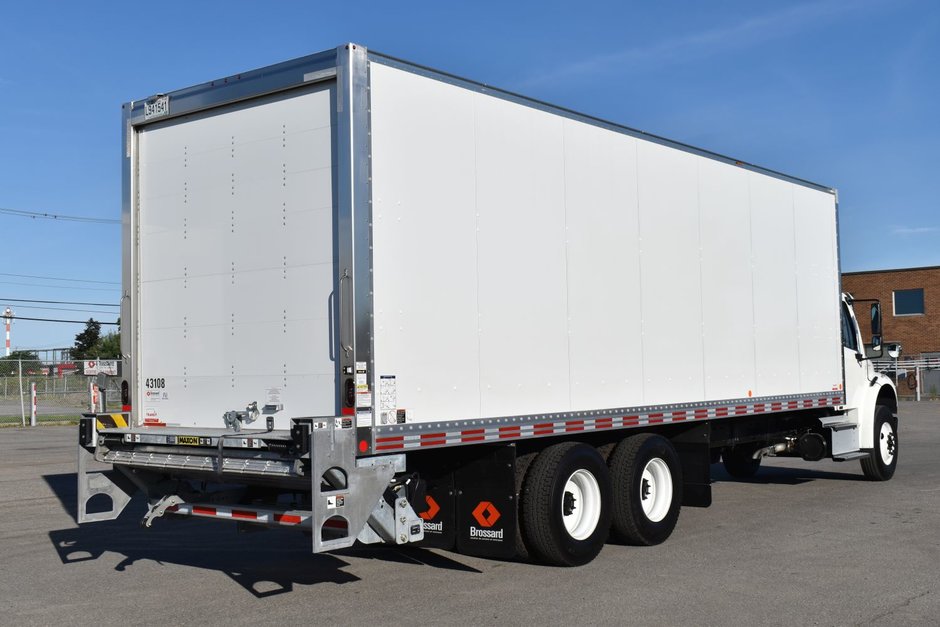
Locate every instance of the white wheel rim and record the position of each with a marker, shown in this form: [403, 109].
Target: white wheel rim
[581, 504]
[656, 489]
[887, 443]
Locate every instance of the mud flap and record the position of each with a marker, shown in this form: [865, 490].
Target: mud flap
[486, 506]
[692, 446]
[438, 513]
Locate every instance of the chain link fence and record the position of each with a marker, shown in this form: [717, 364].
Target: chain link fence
[62, 392]
[916, 378]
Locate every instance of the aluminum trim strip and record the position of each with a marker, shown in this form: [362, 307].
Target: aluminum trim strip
[459, 432]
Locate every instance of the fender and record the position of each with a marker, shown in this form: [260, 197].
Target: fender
[880, 392]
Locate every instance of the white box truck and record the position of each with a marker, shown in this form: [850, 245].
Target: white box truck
[381, 303]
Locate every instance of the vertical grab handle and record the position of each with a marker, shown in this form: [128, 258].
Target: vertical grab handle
[345, 306]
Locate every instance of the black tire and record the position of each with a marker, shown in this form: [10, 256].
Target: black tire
[543, 501]
[631, 524]
[883, 458]
[739, 462]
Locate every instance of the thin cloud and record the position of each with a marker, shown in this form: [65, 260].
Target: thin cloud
[914, 230]
[749, 32]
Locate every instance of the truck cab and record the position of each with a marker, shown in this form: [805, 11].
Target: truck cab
[870, 420]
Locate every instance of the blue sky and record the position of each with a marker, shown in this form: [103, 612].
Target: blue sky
[841, 92]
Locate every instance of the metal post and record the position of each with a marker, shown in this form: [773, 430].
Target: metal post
[22, 401]
[32, 412]
[917, 378]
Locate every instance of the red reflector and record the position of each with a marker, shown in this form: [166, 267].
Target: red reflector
[236, 513]
[205, 511]
[287, 519]
[363, 446]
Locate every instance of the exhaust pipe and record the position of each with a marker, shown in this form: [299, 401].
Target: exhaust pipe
[772, 450]
[810, 446]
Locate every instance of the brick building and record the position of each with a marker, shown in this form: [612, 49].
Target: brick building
[910, 305]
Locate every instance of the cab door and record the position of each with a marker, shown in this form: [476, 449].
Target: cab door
[856, 367]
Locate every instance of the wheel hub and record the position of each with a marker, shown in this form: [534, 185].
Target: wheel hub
[656, 489]
[568, 505]
[888, 443]
[581, 504]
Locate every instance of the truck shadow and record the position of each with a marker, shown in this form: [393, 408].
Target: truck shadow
[264, 564]
[775, 475]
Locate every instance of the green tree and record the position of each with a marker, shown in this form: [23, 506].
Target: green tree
[86, 341]
[10, 365]
[109, 346]
[90, 344]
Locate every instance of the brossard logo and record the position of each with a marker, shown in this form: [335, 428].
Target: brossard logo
[486, 514]
[428, 515]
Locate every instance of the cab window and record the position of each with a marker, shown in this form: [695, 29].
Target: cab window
[849, 339]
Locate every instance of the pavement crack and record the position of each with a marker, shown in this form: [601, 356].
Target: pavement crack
[894, 608]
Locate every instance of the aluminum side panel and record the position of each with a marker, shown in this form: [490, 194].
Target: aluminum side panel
[818, 289]
[776, 329]
[727, 281]
[671, 296]
[237, 261]
[603, 278]
[521, 259]
[425, 246]
[528, 264]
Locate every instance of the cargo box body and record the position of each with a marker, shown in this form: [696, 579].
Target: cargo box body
[338, 265]
[456, 258]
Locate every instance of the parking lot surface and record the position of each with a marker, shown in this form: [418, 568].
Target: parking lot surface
[801, 543]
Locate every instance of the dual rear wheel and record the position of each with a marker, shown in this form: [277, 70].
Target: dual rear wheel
[571, 501]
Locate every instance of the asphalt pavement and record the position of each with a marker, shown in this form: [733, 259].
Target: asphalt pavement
[801, 543]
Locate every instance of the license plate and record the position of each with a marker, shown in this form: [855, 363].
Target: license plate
[187, 440]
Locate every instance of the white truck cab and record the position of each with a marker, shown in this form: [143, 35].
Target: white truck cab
[868, 428]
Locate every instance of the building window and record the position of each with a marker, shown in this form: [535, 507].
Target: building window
[909, 302]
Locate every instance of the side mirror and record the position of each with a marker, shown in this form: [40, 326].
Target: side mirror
[876, 343]
[875, 321]
[894, 351]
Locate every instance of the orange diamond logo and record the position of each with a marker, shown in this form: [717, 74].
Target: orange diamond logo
[486, 514]
[433, 509]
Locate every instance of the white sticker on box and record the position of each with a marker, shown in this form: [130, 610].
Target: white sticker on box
[364, 399]
[364, 419]
[388, 393]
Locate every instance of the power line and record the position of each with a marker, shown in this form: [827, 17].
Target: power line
[58, 278]
[57, 216]
[65, 287]
[97, 311]
[69, 321]
[56, 302]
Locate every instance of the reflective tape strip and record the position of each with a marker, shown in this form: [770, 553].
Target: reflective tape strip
[261, 516]
[471, 431]
[111, 421]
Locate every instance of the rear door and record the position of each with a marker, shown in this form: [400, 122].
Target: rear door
[237, 262]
